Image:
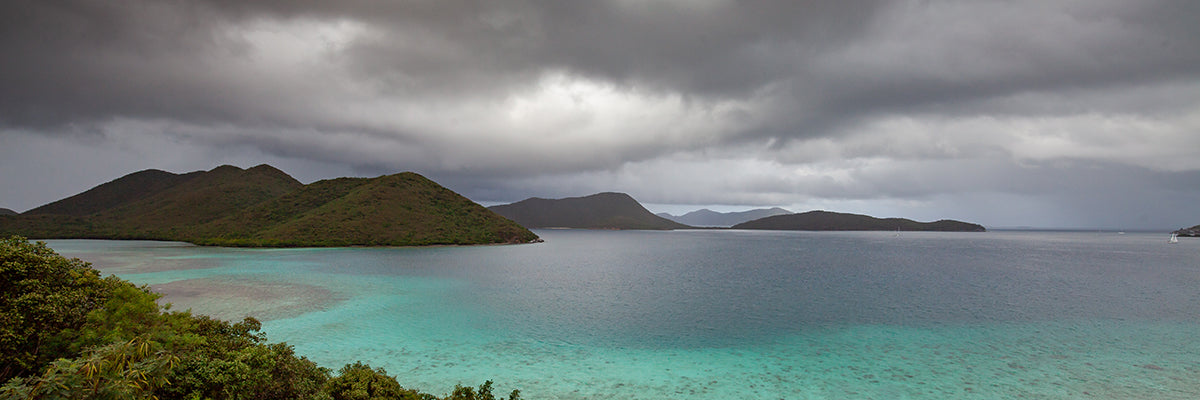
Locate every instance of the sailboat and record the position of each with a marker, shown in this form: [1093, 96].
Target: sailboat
[1174, 238]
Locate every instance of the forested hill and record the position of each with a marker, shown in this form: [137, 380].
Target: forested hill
[832, 221]
[399, 209]
[154, 189]
[263, 206]
[598, 211]
[5, 211]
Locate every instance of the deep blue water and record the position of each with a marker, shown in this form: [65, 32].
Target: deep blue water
[722, 314]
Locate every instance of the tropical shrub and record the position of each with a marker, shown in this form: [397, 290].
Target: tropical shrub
[66, 333]
[42, 296]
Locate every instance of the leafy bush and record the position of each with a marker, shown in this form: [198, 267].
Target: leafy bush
[127, 370]
[66, 333]
[42, 295]
[484, 393]
[359, 382]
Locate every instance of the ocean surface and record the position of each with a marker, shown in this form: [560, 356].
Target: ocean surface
[721, 314]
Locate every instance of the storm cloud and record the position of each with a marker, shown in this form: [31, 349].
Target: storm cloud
[1064, 113]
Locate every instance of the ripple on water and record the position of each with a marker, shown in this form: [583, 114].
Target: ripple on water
[729, 315]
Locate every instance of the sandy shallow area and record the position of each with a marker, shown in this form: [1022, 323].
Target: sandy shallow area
[231, 298]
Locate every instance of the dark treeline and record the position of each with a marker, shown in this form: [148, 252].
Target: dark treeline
[68, 333]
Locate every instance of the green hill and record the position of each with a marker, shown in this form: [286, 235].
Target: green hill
[832, 221]
[599, 211]
[126, 189]
[175, 212]
[5, 211]
[262, 206]
[395, 210]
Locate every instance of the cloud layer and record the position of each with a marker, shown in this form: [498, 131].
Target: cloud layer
[1045, 113]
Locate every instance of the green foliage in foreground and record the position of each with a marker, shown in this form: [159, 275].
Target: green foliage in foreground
[43, 296]
[67, 333]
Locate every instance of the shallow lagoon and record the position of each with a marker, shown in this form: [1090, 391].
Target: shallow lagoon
[721, 314]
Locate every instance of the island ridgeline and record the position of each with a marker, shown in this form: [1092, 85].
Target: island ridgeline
[833, 221]
[263, 206]
[599, 211]
[712, 219]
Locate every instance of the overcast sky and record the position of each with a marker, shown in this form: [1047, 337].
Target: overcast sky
[1047, 113]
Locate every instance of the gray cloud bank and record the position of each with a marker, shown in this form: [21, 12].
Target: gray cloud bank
[1044, 113]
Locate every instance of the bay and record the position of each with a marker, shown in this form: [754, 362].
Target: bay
[720, 314]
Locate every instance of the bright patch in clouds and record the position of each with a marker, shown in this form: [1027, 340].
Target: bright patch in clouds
[1057, 113]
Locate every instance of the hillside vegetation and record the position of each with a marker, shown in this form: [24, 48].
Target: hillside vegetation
[832, 221]
[599, 211]
[400, 209]
[70, 334]
[263, 206]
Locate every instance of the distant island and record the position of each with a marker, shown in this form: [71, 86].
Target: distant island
[709, 218]
[598, 211]
[832, 221]
[265, 207]
[620, 211]
[1189, 232]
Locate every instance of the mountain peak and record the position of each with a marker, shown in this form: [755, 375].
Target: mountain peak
[265, 168]
[618, 196]
[226, 168]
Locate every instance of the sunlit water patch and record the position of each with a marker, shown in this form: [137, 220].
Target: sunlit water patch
[721, 314]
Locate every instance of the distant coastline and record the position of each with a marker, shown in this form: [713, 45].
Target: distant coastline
[611, 210]
[1189, 232]
[834, 221]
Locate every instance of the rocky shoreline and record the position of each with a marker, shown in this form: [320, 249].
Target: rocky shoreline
[1189, 232]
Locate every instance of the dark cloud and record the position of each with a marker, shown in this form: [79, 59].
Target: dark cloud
[72, 63]
[688, 102]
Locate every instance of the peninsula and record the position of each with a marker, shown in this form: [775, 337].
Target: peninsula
[265, 207]
[1189, 232]
[832, 221]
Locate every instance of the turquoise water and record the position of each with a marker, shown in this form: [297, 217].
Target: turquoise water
[721, 314]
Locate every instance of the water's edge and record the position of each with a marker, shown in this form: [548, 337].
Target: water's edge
[662, 315]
